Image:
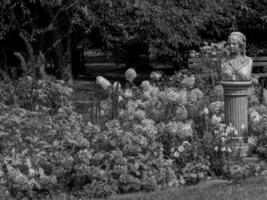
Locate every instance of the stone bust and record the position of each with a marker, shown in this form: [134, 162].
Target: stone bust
[236, 66]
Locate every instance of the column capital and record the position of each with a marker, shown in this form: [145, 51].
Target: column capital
[236, 88]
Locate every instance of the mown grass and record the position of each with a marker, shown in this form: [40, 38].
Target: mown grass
[251, 189]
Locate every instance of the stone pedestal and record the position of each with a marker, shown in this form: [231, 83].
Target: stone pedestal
[236, 108]
[236, 103]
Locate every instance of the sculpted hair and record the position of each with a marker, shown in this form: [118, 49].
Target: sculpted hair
[241, 39]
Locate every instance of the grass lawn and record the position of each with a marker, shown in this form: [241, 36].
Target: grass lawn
[250, 189]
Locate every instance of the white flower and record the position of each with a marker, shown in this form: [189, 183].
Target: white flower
[102, 113]
[235, 132]
[216, 148]
[252, 140]
[223, 139]
[176, 96]
[255, 117]
[155, 76]
[29, 78]
[186, 143]
[140, 114]
[176, 154]
[128, 93]
[223, 149]
[146, 86]
[189, 81]
[215, 119]
[187, 130]
[172, 127]
[116, 86]
[21, 179]
[181, 149]
[154, 91]
[102, 82]
[182, 181]
[216, 106]
[229, 149]
[169, 162]
[206, 111]
[227, 131]
[232, 128]
[130, 74]
[31, 173]
[195, 95]
[146, 95]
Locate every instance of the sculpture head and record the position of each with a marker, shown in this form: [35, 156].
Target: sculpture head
[237, 43]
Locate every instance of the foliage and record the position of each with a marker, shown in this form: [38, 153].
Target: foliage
[257, 130]
[146, 32]
[43, 152]
[164, 133]
[34, 95]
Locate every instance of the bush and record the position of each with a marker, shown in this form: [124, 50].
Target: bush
[146, 138]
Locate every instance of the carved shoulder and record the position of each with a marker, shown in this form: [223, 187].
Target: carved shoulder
[250, 61]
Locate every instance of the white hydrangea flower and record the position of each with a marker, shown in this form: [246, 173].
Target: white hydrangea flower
[116, 86]
[102, 82]
[128, 93]
[206, 111]
[181, 148]
[216, 106]
[176, 154]
[176, 96]
[189, 81]
[186, 143]
[236, 132]
[223, 149]
[140, 114]
[186, 130]
[146, 86]
[155, 76]
[172, 127]
[255, 117]
[130, 74]
[154, 91]
[252, 140]
[147, 95]
[215, 119]
[31, 172]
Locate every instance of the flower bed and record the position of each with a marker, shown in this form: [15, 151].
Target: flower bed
[167, 132]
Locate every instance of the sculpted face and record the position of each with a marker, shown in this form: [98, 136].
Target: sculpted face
[234, 45]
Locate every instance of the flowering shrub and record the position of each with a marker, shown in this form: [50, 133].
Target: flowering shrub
[194, 138]
[36, 95]
[165, 133]
[257, 129]
[34, 148]
[126, 160]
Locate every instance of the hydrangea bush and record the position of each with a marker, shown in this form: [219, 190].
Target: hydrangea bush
[167, 132]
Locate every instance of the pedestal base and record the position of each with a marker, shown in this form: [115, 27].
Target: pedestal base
[236, 112]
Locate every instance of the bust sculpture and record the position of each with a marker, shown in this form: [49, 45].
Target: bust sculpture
[236, 66]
